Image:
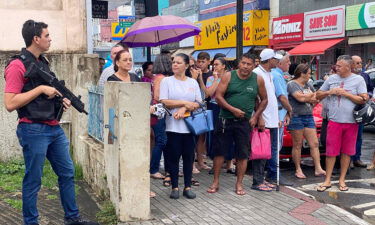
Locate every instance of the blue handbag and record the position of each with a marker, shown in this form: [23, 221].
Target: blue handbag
[200, 122]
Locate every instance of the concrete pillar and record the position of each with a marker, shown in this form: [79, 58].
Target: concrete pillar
[274, 13]
[127, 151]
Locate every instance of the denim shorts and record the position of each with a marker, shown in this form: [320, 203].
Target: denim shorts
[301, 122]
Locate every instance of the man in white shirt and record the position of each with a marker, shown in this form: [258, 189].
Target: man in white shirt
[268, 61]
[109, 71]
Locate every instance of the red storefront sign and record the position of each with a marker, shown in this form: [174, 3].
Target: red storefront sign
[287, 29]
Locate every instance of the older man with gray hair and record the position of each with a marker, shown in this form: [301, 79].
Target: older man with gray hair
[357, 69]
[284, 108]
[343, 91]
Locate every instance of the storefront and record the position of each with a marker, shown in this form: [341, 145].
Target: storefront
[360, 29]
[219, 34]
[287, 32]
[323, 35]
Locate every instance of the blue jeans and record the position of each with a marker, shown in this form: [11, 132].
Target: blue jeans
[358, 147]
[39, 141]
[160, 143]
[272, 163]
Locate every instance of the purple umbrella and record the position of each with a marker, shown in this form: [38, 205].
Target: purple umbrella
[159, 30]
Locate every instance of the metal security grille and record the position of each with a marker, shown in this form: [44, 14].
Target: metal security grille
[96, 117]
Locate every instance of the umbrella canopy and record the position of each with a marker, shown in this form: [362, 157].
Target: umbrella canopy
[159, 30]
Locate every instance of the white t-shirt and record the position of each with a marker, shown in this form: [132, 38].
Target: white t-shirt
[270, 114]
[173, 89]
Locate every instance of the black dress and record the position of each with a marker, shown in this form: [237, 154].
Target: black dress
[133, 78]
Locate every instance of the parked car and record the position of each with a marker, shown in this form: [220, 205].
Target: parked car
[286, 151]
[371, 73]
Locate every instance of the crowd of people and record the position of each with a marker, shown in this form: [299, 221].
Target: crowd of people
[253, 94]
[262, 92]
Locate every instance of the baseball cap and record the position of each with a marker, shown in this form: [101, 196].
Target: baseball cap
[266, 54]
[278, 56]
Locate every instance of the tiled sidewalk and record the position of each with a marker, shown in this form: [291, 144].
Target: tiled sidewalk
[225, 207]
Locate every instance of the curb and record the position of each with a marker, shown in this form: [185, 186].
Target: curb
[351, 216]
[301, 192]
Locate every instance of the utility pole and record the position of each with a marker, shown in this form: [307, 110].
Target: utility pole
[151, 9]
[239, 41]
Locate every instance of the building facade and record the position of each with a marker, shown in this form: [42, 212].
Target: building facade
[340, 26]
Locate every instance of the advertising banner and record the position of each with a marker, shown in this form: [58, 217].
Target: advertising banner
[220, 32]
[287, 28]
[324, 23]
[360, 16]
[117, 31]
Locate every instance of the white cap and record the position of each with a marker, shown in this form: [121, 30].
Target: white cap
[266, 54]
[278, 56]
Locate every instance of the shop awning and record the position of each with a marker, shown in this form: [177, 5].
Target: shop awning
[314, 47]
[229, 52]
[186, 51]
[286, 45]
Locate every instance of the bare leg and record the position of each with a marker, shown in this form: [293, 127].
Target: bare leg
[344, 163]
[297, 136]
[218, 162]
[312, 139]
[330, 163]
[241, 169]
[228, 164]
[201, 149]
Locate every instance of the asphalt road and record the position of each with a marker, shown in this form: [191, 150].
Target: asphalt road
[360, 199]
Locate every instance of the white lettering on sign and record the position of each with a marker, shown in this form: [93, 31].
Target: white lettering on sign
[279, 27]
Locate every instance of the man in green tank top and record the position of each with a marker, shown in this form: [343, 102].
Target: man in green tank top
[237, 96]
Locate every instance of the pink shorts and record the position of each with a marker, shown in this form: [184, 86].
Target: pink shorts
[341, 138]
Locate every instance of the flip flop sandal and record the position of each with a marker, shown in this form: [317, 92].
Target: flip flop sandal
[320, 175]
[323, 188]
[167, 183]
[270, 185]
[195, 182]
[157, 176]
[240, 192]
[343, 188]
[262, 187]
[300, 176]
[212, 190]
[204, 167]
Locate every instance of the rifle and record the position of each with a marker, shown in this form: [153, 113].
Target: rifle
[60, 86]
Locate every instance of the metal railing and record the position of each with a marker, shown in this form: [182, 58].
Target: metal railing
[96, 116]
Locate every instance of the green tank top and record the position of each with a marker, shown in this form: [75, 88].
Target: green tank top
[240, 94]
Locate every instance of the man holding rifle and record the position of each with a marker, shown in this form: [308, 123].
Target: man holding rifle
[38, 104]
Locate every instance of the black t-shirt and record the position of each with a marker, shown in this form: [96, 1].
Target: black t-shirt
[206, 76]
[133, 78]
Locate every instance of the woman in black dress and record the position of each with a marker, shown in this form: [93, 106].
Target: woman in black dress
[123, 63]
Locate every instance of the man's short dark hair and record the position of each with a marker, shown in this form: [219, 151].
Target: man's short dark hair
[30, 29]
[203, 55]
[248, 56]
